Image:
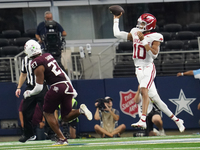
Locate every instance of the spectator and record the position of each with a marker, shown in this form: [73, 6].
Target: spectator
[109, 118]
[29, 103]
[153, 116]
[38, 122]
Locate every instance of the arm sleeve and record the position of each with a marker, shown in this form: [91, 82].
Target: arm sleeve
[37, 89]
[117, 33]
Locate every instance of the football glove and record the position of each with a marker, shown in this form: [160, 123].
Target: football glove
[27, 93]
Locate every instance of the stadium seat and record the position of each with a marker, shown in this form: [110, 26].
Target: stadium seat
[125, 47]
[124, 69]
[4, 42]
[21, 41]
[193, 27]
[30, 33]
[185, 35]
[174, 45]
[173, 56]
[162, 46]
[172, 67]
[172, 27]
[9, 51]
[192, 61]
[11, 33]
[193, 45]
[167, 36]
[173, 63]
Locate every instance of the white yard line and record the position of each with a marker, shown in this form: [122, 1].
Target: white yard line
[47, 144]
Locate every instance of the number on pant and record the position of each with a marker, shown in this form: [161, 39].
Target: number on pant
[54, 69]
[139, 51]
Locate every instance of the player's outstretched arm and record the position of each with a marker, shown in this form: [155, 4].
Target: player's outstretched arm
[117, 33]
[187, 73]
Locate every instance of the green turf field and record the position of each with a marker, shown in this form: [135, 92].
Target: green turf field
[177, 142]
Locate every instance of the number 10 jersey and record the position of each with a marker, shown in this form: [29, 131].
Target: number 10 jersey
[140, 56]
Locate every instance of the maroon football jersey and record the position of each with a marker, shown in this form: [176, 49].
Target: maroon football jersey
[53, 73]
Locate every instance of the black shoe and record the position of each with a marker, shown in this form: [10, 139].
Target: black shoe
[23, 139]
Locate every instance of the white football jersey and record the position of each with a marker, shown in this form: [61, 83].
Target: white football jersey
[140, 55]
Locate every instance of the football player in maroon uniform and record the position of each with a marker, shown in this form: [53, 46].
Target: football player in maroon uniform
[61, 89]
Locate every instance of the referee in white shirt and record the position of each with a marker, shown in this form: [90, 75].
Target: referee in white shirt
[29, 103]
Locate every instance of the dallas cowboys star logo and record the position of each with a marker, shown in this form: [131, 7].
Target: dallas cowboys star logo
[183, 103]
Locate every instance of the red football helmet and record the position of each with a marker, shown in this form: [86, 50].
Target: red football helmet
[149, 20]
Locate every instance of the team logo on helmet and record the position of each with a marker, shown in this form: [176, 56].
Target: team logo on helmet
[149, 20]
[127, 104]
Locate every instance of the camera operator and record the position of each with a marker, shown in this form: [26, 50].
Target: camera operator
[50, 35]
[108, 117]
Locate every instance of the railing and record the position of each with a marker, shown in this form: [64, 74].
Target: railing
[13, 68]
[100, 65]
[96, 66]
[101, 59]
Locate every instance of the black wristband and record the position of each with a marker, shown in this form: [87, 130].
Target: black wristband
[18, 88]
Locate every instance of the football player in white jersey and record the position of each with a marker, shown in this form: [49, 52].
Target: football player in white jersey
[146, 47]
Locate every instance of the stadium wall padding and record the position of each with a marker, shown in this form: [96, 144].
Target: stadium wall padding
[181, 94]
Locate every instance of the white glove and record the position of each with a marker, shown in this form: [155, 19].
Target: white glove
[75, 93]
[27, 93]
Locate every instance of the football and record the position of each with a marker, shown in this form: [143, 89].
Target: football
[116, 10]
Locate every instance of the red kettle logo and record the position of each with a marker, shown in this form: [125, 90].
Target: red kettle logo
[127, 105]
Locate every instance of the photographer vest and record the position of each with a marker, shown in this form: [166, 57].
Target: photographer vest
[107, 121]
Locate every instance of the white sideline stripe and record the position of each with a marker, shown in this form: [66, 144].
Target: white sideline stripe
[188, 140]
[153, 148]
[29, 142]
[95, 139]
[22, 146]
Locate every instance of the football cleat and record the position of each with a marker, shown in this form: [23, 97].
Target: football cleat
[32, 138]
[85, 111]
[60, 142]
[160, 132]
[23, 139]
[140, 124]
[180, 125]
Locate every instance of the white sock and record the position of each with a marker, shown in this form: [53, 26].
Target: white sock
[174, 118]
[143, 117]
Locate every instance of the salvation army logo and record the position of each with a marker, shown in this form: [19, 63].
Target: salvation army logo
[127, 105]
